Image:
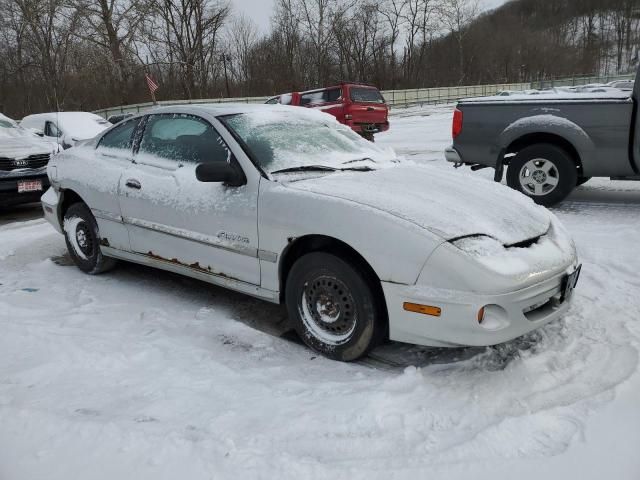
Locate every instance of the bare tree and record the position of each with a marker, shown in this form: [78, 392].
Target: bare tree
[49, 27]
[241, 40]
[457, 15]
[190, 32]
[113, 26]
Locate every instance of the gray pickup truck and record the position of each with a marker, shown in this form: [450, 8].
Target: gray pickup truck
[550, 142]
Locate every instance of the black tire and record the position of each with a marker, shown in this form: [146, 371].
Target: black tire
[582, 181]
[368, 136]
[536, 182]
[352, 322]
[83, 240]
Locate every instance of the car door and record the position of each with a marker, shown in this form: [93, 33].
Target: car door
[172, 217]
[98, 180]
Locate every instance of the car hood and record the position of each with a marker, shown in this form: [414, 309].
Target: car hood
[449, 204]
[24, 146]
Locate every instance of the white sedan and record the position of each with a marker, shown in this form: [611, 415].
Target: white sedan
[288, 205]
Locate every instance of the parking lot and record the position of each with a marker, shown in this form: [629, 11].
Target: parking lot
[174, 378]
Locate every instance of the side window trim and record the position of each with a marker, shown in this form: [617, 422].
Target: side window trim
[137, 136]
[119, 125]
[142, 126]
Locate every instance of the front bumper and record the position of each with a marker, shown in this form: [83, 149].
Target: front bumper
[517, 313]
[9, 194]
[50, 203]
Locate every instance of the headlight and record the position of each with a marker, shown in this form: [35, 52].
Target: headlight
[480, 246]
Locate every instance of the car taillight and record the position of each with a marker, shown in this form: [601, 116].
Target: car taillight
[457, 123]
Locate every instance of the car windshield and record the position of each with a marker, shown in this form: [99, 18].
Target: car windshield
[10, 129]
[285, 138]
[366, 95]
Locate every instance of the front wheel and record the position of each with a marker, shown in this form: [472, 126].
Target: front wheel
[83, 240]
[332, 307]
[544, 172]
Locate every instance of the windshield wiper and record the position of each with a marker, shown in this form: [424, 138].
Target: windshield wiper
[322, 168]
[365, 159]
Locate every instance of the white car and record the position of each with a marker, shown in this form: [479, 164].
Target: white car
[66, 128]
[23, 162]
[287, 205]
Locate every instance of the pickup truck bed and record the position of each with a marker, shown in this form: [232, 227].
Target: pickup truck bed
[549, 142]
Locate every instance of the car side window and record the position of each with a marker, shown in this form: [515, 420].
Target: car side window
[120, 137]
[273, 101]
[332, 95]
[313, 98]
[50, 129]
[183, 138]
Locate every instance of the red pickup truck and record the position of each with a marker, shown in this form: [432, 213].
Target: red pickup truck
[359, 106]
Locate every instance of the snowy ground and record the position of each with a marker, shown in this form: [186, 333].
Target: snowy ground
[139, 374]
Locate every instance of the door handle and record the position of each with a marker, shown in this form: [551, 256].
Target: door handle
[133, 183]
[370, 109]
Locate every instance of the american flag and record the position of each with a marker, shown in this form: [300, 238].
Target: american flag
[153, 86]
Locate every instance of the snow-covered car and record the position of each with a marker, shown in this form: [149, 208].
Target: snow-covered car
[622, 84]
[290, 206]
[66, 128]
[23, 163]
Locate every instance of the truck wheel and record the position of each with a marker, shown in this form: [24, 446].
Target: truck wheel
[332, 307]
[83, 240]
[543, 172]
[368, 136]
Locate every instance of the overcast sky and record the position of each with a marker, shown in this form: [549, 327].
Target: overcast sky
[260, 11]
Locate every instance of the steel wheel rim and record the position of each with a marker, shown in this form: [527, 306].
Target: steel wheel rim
[327, 308]
[539, 177]
[80, 238]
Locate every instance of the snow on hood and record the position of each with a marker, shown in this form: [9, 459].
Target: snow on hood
[449, 204]
[16, 142]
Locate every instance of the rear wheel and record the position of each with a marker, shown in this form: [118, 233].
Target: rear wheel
[368, 136]
[544, 172]
[83, 240]
[333, 307]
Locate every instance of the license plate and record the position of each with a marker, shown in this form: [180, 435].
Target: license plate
[29, 186]
[570, 283]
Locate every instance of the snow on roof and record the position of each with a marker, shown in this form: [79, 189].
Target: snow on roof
[223, 109]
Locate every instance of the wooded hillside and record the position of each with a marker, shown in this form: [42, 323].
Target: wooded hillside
[87, 54]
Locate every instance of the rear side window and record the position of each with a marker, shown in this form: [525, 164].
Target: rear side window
[333, 95]
[323, 96]
[366, 95]
[121, 137]
[182, 138]
[313, 98]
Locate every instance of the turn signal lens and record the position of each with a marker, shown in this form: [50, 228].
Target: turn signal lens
[481, 315]
[423, 309]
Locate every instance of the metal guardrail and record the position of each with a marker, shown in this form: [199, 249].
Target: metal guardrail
[395, 98]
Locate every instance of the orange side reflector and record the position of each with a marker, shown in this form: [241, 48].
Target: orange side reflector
[423, 309]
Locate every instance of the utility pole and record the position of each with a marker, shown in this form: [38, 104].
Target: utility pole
[225, 57]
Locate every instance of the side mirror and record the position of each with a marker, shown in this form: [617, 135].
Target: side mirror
[221, 172]
[37, 132]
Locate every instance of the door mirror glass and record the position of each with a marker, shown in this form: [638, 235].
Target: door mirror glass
[221, 172]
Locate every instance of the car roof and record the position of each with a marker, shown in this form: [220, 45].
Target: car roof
[60, 115]
[221, 109]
